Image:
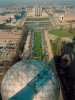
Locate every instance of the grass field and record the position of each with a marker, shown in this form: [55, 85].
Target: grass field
[71, 21]
[37, 19]
[62, 33]
[37, 45]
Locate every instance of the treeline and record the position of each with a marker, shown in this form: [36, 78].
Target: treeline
[5, 27]
[19, 16]
[9, 27]
[5, 13]
[20, 48]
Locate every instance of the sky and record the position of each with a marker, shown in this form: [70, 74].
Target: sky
[39, 1]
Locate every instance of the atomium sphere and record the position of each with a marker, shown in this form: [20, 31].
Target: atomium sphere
[30, 80]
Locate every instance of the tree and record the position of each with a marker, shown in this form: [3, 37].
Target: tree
[70, 28]
[61, 27]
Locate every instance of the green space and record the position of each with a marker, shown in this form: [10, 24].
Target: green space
[4, 13]
[71, 21]
[63, 32]
[21, 45]
[56, 46]
[37, 19]
[38, 23]
[8, 20]
[32, 25]
[19, 16]
[37, 50]
[8, 27]
[59, 11]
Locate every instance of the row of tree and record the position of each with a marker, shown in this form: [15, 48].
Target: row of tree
[21, 45]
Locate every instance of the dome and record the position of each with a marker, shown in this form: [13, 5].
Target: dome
[30, 80]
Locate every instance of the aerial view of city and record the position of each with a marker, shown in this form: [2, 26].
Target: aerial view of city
[37, 50]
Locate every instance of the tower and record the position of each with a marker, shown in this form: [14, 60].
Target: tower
[38, 11]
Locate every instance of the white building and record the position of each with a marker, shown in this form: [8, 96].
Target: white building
[37, 12]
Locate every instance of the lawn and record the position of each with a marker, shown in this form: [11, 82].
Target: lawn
[37, 19]
[71, 21]
[37, 45]
[62, 33]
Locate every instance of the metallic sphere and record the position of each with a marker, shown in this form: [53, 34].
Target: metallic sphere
[30, 79]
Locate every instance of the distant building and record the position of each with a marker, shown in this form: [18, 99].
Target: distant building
[50, 11]
[37, 12]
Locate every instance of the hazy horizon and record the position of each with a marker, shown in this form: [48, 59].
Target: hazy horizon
[35, 2]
